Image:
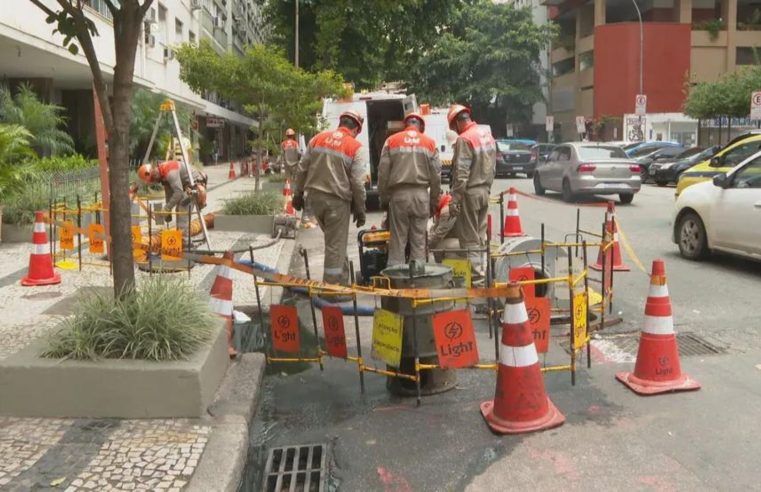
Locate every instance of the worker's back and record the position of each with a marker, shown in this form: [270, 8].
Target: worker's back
[332, 157]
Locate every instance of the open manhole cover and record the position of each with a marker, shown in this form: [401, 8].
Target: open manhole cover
[300, 468]
[690, 344]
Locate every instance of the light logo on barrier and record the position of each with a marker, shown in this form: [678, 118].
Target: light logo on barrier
[335, 336]
[284, 321]
[171, 245]
[455, 339]
[579, 320]
[96, 233]
[387, 337]
[66, 235]
[538, 309]
[524, 274]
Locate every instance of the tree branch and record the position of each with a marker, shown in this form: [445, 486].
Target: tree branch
[145, 6]
[112, 7]
[43, 7]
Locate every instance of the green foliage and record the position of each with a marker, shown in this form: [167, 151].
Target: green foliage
[166, 319]
[489, 59]
[14, 144]
[259, 203]
[26, 193]
[276, 178]
[44, 121]
[368, 41]
[63, 163]
[713, 26]
[728, 96]
[67, 26]
[145, 110]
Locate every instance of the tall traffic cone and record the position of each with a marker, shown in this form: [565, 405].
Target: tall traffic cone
[221, 302]
[288, 208]
[612, 229]
[513, 226]
[231, 172]
[520, 403]
[657, 369]
[40, 263]
[287, 187]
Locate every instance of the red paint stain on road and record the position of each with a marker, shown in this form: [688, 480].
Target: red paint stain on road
[392, 483]
[563, 465]
[659, 484]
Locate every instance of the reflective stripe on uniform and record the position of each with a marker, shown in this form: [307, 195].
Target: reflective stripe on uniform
[515, 314]
[333, 271]
[659, 325]
[518, 356]
[41, 249]
[222, 307]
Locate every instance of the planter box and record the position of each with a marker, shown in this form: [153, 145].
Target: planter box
[261, 224]
[33, 386]
[12, 233]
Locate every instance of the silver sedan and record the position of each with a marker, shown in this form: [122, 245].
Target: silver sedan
[576, 169]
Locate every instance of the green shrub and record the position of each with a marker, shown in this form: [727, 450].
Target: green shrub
[259, 203]
[64, 163]
[165, 319]
[44, 121]
[277, 178]
[19, 206]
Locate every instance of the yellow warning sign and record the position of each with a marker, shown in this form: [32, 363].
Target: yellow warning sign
[387, 337]
[579, 320]
[96, 233]
[460, 269]
[66, 235]
[171, 245]
[137, 237]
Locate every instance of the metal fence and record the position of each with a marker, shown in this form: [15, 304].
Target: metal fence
[65, 186]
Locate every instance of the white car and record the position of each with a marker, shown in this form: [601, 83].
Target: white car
[722, 215]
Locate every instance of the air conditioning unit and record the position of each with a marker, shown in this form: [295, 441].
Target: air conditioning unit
[150, 41]
[195, 4]
[219, 22]
[168, 54]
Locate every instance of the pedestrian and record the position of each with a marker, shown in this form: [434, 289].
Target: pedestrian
[178, 193]
[473, 165]
[290, 154]
[409, 182]
[332, 172]
[442, 235]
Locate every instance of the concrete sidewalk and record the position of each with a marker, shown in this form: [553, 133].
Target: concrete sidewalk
[108, 454]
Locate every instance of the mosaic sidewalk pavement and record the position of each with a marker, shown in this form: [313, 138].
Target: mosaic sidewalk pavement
[99, 454]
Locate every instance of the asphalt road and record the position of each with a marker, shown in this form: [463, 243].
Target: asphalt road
[612, 439]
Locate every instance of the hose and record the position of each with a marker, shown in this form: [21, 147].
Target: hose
[242, 250]
[319, 303]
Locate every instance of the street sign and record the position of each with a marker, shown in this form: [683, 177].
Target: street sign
[549, 124]
[581, 124]
[755, 105]
[640, 104]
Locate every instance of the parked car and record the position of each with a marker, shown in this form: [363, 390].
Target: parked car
[576, 169]
[513, 157]
[540, 152]
[666, 172]
[640, 149]
[733, 153]
[722, 214]
[664, 153]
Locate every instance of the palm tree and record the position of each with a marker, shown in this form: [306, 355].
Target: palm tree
[43, 121]
[14, 149]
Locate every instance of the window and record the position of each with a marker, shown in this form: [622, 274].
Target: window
[598, 152]
[738, 154]
[564, 154]
[749, 176]
[748, 56]
[100, 7]
[162, 13]
[178, 28]
[191, 37]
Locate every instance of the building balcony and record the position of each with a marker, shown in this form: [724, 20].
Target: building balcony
[705, 38]
[561, 53]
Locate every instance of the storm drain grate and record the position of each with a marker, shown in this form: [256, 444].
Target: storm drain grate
[689, 343]
[299, 468]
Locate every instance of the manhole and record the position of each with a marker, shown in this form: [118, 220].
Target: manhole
[690, 344]
[295, 469]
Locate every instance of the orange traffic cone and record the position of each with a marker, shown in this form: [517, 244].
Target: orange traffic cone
[288, 208]
[520, 403]
[287, 187]
[513, 226]
[231, 173]
[40, 263]
[612, 229]
[657, 369]
[221, 302]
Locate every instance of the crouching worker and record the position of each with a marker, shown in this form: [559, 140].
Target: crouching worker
[442, 235]
[178, 192]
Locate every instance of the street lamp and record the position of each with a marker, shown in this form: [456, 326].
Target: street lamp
[641, 47]
[296, 36]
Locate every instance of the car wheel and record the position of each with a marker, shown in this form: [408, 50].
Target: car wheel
[691, 235]
[626, 198]
[567, 193]
[538, 188]
[530, 175]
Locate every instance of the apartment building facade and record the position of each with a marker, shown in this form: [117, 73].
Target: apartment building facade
[31, 53]
[597, 57]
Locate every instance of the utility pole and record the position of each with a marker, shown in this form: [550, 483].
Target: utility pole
[641, 48]
[296, 36]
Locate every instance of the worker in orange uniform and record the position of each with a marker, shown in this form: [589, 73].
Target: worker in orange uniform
[177, 190]
[290, 154]
[473, 165]
[409, 182]
[442, 235]
[332, 171]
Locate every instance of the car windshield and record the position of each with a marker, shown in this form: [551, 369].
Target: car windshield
[706, 154]
[506, 146]
[587, 153]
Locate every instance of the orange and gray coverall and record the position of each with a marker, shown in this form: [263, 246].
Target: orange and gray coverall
[174, 178]
[442, 233]
[473, 165]
[409, 181]
[290, 157]
[332, 171]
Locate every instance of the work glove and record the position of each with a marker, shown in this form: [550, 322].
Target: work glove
[359, 218]
[454, 208]
[168, 218]
[298, 201]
